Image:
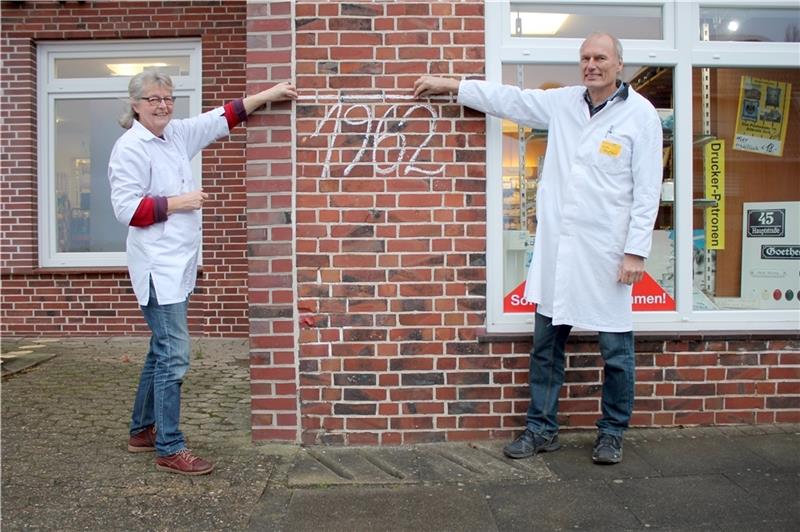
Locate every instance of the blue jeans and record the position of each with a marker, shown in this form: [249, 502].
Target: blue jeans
[547, 376]
[158, 398]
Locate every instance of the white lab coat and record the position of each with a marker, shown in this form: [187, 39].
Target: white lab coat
[142, 164]
[592, 207]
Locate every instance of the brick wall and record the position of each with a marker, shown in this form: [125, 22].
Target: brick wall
[270, 232]
[390, 255]
[390, 223]
[78, 302]
[689, 380]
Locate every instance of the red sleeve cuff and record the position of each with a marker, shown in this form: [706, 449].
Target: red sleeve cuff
[151, 210]
[235, 113]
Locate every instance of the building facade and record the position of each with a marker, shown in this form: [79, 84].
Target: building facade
[373, 246]
[63, 265]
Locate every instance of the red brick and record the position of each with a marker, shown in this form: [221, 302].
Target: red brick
[734, 418]
[744, 403]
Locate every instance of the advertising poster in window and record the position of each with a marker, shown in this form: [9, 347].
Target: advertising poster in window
[762, 119]
[648, 295]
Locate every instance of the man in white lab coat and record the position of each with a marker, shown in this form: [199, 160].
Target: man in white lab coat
[596, 205]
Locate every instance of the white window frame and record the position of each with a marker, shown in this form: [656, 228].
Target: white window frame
[682, 50]
[49, 89]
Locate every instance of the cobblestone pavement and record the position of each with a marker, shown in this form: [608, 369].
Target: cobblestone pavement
[64, 436]
[65, 465]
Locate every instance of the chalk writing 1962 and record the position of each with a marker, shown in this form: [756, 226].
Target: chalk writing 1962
[342, 113]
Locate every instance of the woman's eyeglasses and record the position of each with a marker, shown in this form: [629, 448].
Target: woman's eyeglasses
[155, 101]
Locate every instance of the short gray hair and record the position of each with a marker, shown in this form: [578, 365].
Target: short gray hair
[136, 91]
[617, 44]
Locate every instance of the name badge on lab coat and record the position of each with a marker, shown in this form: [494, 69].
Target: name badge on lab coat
[612, 149]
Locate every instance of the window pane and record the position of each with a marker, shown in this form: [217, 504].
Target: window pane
[746, 188]
[752, 25]
[85, 132]
[578, 21]
[119, 66]
[523, 153]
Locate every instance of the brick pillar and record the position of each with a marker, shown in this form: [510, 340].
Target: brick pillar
[270, 234]
[391, 226]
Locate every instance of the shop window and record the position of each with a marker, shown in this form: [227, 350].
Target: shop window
[83, 91]
[746, 163]
[749, 24]
[559, 19]
[727, 236]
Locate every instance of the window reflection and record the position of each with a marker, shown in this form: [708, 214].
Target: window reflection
[119, 66]
[578, 21]
[85, 132]
[751, 25]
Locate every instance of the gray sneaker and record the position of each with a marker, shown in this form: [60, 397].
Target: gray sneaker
[529, 443]
[607, 449]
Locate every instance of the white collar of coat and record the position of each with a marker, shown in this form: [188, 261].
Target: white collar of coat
[145, 134]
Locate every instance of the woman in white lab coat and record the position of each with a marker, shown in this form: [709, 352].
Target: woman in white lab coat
[154, 193]
[596, 206]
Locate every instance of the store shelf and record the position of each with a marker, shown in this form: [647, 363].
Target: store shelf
[703, 203]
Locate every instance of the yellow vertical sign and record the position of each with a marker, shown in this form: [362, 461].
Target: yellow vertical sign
[714, 169]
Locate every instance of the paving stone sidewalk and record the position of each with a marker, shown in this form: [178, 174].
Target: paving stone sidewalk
[65, 465]
[64, 426]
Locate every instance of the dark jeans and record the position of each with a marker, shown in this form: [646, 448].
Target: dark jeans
[547, 375]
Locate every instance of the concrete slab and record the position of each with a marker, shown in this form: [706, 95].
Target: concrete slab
[329, 466]
[533, 468]
[308, 471]
[781, 450]
[398, 508]
[434, 467]
[493, 464]
[588, 505]
[574, 461]
[23, 361]
[271, 512]
[434, 463]
[400, 462]
[16, 353]
[788, 428]
[778, 494]
[466, 463]
[700, 456]
[708, 502]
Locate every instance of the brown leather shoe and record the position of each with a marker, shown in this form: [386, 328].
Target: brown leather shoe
[143, 441]
[184, 463]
